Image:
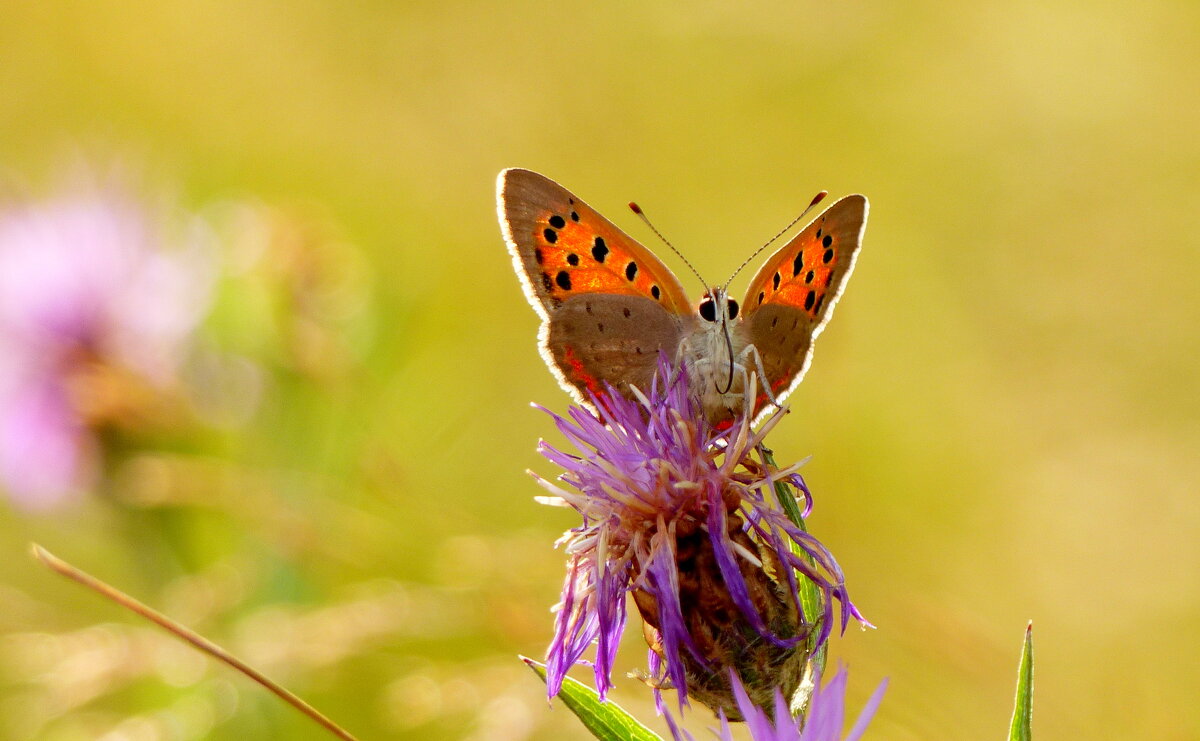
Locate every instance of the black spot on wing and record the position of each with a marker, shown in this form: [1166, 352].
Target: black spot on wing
[776, 279]
[599, 250]
[798, 263]
[550, 235]
[828, 240]
[631, 270]
[557, 221]
[655, 292]
[563, 279]
[809, 299]
[572, 259]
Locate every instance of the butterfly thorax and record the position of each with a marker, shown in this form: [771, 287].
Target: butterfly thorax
[714, 354]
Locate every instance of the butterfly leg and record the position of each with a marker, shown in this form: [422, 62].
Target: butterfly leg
[752, 351]
[682, 354]
[749, 378]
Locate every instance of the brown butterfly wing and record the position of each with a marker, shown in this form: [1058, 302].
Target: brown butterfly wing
[608, 305]
[793, 295]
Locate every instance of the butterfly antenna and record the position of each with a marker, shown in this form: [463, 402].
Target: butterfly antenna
[638, 210]
[816, 199]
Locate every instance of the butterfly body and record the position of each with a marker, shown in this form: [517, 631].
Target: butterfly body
[609, 306]
[714, 357]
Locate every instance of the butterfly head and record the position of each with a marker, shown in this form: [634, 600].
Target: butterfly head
[717, 306]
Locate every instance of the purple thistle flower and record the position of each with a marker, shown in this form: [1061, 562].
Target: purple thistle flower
[680, 515]
[85, 291]
[823, 721]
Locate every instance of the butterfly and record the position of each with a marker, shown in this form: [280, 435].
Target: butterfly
[609, 306]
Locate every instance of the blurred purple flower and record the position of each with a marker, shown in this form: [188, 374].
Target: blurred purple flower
[84, 282]
[680, 515]
[823, 721]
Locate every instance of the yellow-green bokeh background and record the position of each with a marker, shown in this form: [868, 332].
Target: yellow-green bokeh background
[1003, 418]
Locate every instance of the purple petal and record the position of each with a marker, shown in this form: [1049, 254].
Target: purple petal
[826, 710]
[868, 712]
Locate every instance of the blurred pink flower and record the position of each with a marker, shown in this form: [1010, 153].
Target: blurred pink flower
[84, 279]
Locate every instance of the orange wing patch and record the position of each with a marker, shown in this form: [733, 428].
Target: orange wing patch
[579, 254]
[814, 264]
[561, 247]
[801, 275]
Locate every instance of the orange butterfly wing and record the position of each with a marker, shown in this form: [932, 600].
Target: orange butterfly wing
[608, 305]
[562, 247]
[792, 296]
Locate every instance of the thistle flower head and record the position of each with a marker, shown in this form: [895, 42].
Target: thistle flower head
[680, 516]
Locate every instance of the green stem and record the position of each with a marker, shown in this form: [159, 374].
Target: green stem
[810, 595]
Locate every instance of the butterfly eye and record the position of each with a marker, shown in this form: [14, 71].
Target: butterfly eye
[732, 308]
[708, 310]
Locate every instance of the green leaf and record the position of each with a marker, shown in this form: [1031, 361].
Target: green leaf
[1022, 719]
[607, 721]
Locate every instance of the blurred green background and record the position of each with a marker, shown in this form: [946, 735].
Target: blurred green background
[1003, 417]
